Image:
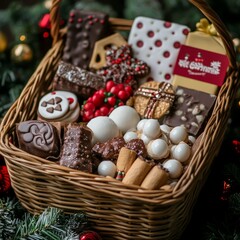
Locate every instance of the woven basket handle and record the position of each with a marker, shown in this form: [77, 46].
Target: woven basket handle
[202, 5]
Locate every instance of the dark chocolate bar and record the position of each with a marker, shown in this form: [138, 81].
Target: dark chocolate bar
[77, 80]
[76, 150]
[38, 138]
[191, 109]
[84, 29]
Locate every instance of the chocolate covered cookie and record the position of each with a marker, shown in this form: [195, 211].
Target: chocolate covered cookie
[38, 138]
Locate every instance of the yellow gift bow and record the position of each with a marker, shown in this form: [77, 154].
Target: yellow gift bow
[206, 27]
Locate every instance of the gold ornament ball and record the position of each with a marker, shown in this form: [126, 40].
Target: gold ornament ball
[21, 53]
[3, 42]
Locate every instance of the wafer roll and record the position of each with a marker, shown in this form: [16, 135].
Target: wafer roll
[125, 160]
[137, 172]
[156, 178]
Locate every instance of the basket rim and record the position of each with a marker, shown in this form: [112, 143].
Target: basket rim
[9, 151]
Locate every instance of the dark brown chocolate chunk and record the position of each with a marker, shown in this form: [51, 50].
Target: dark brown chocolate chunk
[138, 146]
[191, 109]
[110, 149]
[77, 80]
[76, 150]
[38, 138]
[84, 29]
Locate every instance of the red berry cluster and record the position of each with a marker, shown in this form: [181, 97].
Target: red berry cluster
[105, 100]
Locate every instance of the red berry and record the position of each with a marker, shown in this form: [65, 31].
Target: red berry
[104, 110]
[114, 90]
[123, 95]
[89, 99]
[112, 101]
[89, 107]
[120, 104]
[98, 113]
[97, 99]
[109, 85]
[111, 109]
[101, 92]
[120, 86]
[87, 116]
[129, 89]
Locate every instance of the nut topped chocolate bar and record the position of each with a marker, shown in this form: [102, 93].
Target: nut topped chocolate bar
[191, 109]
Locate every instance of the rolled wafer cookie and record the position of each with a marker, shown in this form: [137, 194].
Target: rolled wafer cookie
[137, 172]
[156, 178]
[125, 160]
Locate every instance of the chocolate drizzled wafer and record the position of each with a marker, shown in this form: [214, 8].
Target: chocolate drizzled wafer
[84, 29]
[77, 80]
[76, 151]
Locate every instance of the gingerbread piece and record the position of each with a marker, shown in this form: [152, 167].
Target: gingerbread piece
[77, 80]
[98, 57]
[153, 99]
[84, 29]
[38, 138]
[76, 151]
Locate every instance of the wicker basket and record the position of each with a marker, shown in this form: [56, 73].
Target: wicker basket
[116, 210]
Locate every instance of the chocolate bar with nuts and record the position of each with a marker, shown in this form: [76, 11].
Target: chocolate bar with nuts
[191, 109]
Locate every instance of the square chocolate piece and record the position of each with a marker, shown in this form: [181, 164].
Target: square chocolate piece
[39, 138]
[84, 29]
[191, 109]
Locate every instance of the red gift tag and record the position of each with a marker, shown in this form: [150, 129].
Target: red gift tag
[202, 65]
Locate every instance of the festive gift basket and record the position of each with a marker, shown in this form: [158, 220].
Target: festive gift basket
[117, 210]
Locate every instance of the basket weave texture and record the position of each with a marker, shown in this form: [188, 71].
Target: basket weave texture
[118, 211]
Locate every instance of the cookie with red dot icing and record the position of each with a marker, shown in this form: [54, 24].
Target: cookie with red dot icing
[157, 43]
